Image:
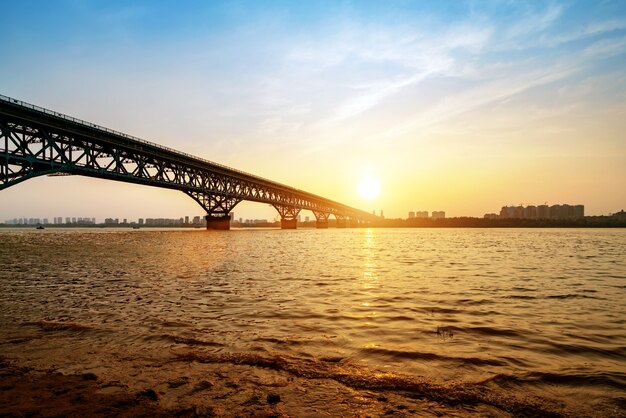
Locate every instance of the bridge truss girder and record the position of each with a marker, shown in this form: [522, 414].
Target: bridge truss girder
[34, 143]
[214, 204]
[287, 212]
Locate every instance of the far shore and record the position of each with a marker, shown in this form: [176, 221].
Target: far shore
[460, 222]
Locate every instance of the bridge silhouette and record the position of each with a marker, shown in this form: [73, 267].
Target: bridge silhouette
[35, 141]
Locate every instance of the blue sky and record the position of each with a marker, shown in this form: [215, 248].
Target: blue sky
[461, 106]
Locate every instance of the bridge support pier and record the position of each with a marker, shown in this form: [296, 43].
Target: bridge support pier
[218, 223]
[217, 209]
[288, 216]
[322, 219]
[288, 223]
[321, 224]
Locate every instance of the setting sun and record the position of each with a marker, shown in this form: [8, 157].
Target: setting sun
[369, 188]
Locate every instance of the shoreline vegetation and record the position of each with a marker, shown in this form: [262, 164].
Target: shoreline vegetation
[460, 222]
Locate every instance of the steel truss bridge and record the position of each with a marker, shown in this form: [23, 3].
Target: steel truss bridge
[35, 141]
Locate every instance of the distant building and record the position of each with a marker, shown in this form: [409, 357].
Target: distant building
[543, 212]
[530, 212]
[421, 214]
[491, 216]
[306, 219]
[438, 214]
[579, 211]
[411, 215]
[508, 212]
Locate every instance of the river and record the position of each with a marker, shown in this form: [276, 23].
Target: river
[335, 322]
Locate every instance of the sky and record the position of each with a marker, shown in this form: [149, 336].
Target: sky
[461, 106]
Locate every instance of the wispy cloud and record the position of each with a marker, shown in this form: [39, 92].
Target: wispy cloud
[465, 101]
[606, 48]
[534, 22]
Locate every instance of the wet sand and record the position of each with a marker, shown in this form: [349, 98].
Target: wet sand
[223, 391]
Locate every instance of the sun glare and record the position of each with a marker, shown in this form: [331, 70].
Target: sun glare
[369, 188]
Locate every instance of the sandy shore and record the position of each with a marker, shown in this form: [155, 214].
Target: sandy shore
[25, 392]
[223, 391]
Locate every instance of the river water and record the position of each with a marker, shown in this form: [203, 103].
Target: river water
[336, 322]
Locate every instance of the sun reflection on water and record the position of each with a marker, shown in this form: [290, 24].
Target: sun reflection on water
[370, 277]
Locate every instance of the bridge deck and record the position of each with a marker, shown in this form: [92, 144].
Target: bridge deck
[40, 141]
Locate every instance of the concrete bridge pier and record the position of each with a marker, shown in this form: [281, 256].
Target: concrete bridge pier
[288, 223]
[340, 221]
[218, 223]
[288, 216]
[217, 208]
[322, 219]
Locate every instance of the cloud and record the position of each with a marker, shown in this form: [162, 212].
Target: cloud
[531, 24]
[589, 30]
[470, 99]
[606, 48]
[370, 64]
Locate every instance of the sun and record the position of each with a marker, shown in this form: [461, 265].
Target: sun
[369, 188]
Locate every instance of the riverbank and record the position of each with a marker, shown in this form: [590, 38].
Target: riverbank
[460, 222]
[224, 391]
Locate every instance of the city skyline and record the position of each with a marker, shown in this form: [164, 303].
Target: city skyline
[461, 106]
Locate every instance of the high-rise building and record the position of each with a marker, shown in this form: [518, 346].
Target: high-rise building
[421, 214]
[438, 214]
[543, 212]
[508, 212]
[564, 211]
[579, 211]
[556, 212]
[411, 215]
[530, 212]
